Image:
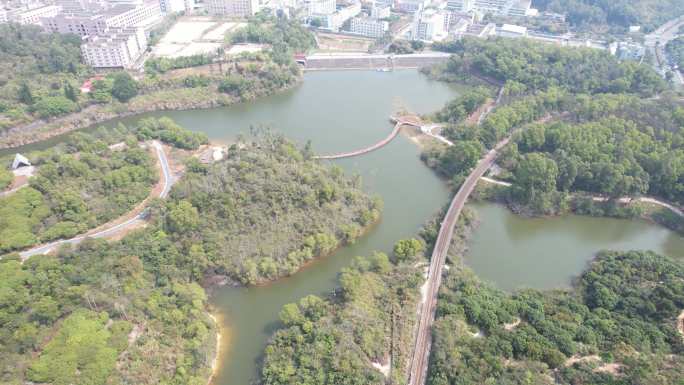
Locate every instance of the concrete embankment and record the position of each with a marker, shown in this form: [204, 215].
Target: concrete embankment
[320, 62]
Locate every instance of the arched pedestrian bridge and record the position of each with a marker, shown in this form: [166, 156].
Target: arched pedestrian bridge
[409, 120]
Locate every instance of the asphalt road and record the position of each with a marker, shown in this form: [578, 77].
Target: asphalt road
[114, 229]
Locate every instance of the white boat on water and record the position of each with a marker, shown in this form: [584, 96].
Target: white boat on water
[383, 69]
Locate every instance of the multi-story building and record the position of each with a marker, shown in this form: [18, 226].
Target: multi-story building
[429, 25]
[172, 6]
[380, 11]
[118, 16]
[369, 27]
[32, 15]
[497, 7]
[75, 6]
[119, 48]
[320, 7]
[411, 5]
[460, 5]
[3, 16]
[233, 8]
[510, 30]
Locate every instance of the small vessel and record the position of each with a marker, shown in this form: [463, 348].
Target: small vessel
[385, 69]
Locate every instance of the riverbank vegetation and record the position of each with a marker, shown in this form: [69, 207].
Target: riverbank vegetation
[364, 332]
[576, 138]
[264, 212]
[198, 81]
[365, 328]
[131, 311]
[617, 325]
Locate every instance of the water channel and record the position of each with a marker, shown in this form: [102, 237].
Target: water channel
[342, 111]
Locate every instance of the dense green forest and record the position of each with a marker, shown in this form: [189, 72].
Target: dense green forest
[103, 314]
[675, 50]
[264, 211]
[574, 135]
[74, 192]
[131, 311]
[531, 67]
[285, 36]
[614, 15]
[37, 71]
[616, 326]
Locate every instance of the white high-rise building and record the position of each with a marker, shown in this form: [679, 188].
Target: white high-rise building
[120, 48]
[497, 7]
[380, 11]
[120, 16]
[430, 25]
[32, 15]
[233, 8]
[320, 7]
[172, 6]
[369, 27]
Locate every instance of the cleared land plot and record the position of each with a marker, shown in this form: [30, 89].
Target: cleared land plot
[240, 48]
[187, 31]
[196, 48]
[219, 32]
[329, 42]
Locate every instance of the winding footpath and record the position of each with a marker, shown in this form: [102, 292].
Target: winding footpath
[112, 228]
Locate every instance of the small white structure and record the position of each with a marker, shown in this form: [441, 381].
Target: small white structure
[20, 161]
[510, 30]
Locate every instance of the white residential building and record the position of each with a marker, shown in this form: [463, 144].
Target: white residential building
[320, 7]
[335, 20]
[497, 7]
[172, 6]
[3, 16]
[33, 15]
[120, 16]
[429, 25]
[369, 27]
[460, 5]
[510, 30]
[380, 11]
[411, 5]
[119, 48]
[75, 6]
[233, 8]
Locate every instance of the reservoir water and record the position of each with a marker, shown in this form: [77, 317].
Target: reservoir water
[342, 111]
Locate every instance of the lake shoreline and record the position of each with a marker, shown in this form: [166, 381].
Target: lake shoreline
[38, 130]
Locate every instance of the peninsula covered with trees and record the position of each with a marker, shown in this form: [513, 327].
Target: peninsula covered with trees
[584, 124]
[132, 311]
[617, 325]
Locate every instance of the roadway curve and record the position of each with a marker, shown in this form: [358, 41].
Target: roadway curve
[112, 228]
[374, 147]
[421, 352]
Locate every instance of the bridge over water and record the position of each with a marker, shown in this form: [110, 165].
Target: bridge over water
[409, 120]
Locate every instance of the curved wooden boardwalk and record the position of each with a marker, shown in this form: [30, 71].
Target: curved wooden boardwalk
[399, 122]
